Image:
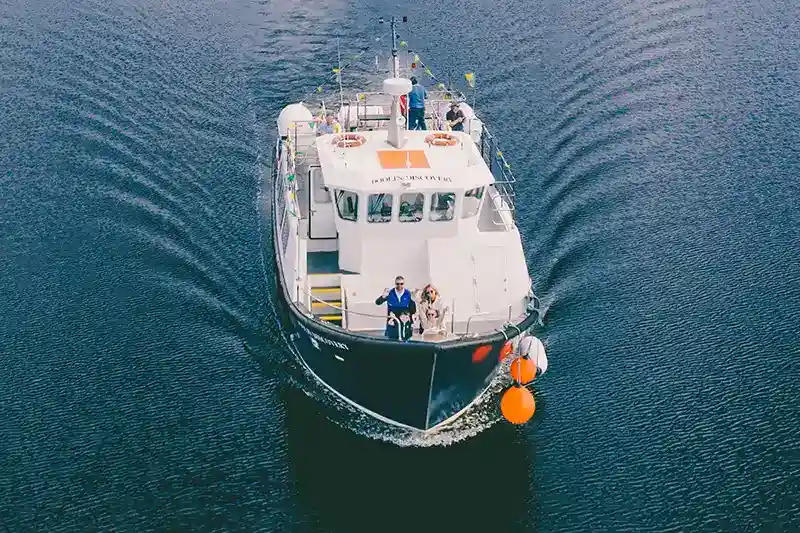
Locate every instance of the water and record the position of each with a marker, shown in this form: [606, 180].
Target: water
[144, 385]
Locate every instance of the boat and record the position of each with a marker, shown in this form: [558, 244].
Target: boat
[353, 209]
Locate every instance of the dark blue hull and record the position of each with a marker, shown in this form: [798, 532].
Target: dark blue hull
[414, 384]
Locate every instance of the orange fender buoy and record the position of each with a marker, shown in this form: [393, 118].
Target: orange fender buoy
[523, 370]
[517, 405]
[481, 353]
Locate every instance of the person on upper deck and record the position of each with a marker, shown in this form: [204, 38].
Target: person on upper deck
[397, 301]
[455, 118]
[416, 106]
[331, 125]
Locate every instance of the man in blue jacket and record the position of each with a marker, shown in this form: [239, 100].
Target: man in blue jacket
[397, 301]
[416, 106]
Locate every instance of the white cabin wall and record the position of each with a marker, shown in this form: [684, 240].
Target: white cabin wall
[349, 245]
[481, 272]
[302, 266]
[289, 259]
[451, 273]
[385, 259]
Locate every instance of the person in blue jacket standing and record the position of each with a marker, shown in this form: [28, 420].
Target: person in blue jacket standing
[416, 106]
[398, 301]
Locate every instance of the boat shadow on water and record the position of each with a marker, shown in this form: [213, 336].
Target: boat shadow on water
[350, 483]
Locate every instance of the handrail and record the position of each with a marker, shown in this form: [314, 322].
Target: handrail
[484, 313]
[345, 317]
[344, 310]
[466, 332]
[362, 101]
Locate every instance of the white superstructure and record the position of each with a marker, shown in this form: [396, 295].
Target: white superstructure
[359, 210]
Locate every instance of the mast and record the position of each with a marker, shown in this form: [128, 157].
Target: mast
[395, 59]
[339, 73]
[397, 88]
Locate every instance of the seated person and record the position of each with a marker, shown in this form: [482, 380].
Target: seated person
[397, 301]
[455, 118]
[331, 125]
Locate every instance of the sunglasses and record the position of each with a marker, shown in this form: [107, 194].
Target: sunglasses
[398, 284]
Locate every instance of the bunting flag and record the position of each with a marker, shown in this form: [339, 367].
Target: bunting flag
[417, 62]
[470, 77]
[337, 71]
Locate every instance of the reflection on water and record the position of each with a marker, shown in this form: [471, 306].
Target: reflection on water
[356, 484]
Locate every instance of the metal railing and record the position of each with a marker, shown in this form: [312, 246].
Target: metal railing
[346, 312]
[500, 169]
[364, 101]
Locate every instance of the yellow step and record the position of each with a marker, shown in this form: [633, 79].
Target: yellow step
[326, 289]
[327, 304]
[330, 318]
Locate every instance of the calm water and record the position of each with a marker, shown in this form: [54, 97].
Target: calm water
[143, 386]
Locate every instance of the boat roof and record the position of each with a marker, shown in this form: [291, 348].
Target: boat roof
[378, 166]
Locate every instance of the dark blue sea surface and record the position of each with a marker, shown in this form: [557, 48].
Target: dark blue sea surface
[144, 384]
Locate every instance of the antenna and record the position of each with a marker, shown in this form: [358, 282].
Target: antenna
[395, 59]
[339, 73]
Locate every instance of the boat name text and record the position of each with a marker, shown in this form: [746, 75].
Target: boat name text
[323, 340]
[390, 179]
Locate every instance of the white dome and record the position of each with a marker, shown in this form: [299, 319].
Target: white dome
[293, 113]
[466, 109]
[397, 86]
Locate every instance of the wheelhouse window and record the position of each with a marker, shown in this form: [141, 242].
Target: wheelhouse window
[347, 205]
[411, 205]
[443, 205]
[472, 202]
[379, 208]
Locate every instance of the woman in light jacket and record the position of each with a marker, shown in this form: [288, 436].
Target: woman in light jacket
[431, 310]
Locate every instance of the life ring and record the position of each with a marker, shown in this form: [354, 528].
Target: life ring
[348, 140]
[441, 139]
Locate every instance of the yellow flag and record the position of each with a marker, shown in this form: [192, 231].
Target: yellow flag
[336, 70]
[470, 77]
